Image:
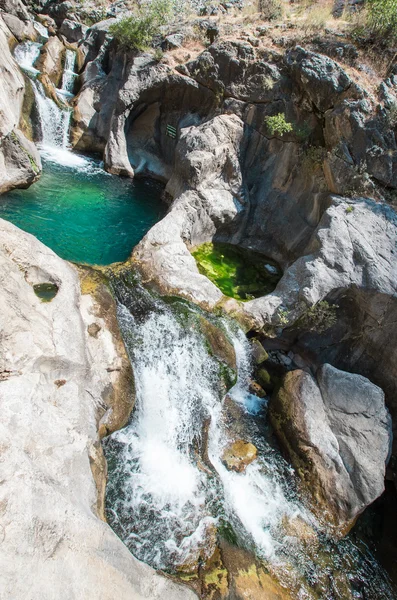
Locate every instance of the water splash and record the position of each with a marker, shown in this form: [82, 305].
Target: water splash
[69, 76]
[54, 120]
[168, 484]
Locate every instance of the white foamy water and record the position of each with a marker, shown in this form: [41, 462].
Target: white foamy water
[54, 120]
[167, 484]
[26, 55]
[69, 76]
[160, 486]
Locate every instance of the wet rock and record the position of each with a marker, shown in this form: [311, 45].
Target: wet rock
[337, 433]
[249, 580]
[73, 30]
[297, 528]
[238, 455]
[195, 556]
[259, 354]
[265, 379]
[220, 345]
[50, 61]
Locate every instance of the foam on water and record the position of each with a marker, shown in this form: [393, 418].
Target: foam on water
[162, 498]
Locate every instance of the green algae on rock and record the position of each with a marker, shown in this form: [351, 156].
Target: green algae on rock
[239, 273]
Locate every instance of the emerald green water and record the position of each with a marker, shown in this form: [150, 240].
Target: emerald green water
[84, 214]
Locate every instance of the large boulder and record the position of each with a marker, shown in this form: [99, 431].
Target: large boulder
[58, 376]
[20, 163]
[21, 30]
[50, 61]
[73, 30]
[207, 182]
[337, 433]
[322, 79]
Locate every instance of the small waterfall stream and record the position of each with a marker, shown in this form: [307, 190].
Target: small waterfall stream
[54, 119]
[168, 487]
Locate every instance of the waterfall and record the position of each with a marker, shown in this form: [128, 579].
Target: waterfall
[168, 487]
[54, 120]
[69, 76]
[158, 480]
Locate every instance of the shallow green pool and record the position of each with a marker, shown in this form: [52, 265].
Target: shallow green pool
[84, 214]
[238, 273]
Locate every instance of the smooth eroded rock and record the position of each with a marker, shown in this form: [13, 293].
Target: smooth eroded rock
[337, 434]
[55, 383]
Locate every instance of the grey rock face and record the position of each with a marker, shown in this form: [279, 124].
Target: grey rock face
[15, 8]
[322, 79]
[172, 41]
[281, 206]
[55, 382]
[337, 433]
[73, 30]
[22, 30]
[20, 163]
[206, 173]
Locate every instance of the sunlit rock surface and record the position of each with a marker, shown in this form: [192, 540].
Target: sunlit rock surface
[57, 374]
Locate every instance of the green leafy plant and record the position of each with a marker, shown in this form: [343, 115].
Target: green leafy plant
[268, 83]
[319, 317]
[382, 19]
[278, 124]
[138, 30]
[283, 316]
[349, 209]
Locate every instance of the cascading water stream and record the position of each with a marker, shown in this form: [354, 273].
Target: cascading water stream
[168, 486]
[54, 120]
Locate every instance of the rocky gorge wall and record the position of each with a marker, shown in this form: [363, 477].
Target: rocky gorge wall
[312, 198]
[20, 163]
[230, 179]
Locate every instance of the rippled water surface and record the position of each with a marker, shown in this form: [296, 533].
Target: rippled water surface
[81, 212]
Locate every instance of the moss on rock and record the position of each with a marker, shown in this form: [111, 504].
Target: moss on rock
[238, 273]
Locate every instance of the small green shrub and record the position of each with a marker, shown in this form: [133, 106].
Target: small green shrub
[382, 19]
[283, 316]
[278, 124]
[349, 209]
[268, 83]
[138, 30]
[319, 317]
[271, 10]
